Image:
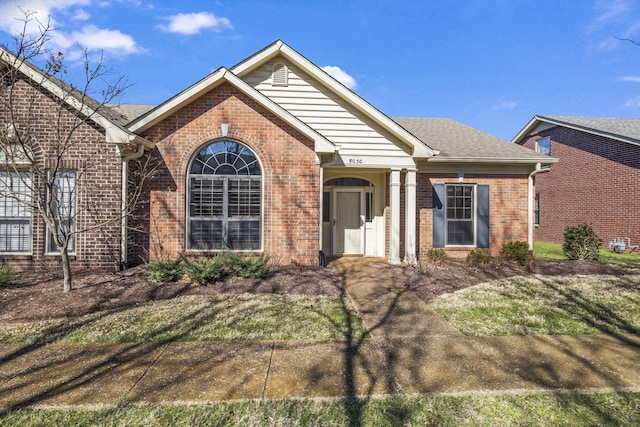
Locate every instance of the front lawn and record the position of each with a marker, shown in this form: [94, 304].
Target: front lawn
[545, 305]
[545, 250]
[198, 318]
[607, 409]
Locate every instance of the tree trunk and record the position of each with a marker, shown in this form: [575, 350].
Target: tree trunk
[66, 268]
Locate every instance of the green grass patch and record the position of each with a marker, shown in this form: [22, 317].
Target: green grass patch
[199, 318]
[548, 250]
[545, 305]
[607, 409]
[545, 250]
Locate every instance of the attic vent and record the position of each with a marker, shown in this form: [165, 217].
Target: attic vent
[280, 75]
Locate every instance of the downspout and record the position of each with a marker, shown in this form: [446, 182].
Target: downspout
[124, 223]
[531, 198]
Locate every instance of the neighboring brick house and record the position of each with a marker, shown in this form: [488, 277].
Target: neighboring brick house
[597, 178]
[275, 156]
[36, 112]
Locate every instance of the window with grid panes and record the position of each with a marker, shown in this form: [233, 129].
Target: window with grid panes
[225, 198]
[15, 214]
[63, 207]
[460, 215]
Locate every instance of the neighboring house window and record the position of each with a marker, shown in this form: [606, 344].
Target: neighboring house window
[15, 213]
[225, 198]
[460, 215]
[536, 209]
[63, 207]
[543, 146]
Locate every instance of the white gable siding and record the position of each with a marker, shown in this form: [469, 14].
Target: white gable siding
[360, 143]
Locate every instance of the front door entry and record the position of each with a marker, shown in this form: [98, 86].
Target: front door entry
[348, 222]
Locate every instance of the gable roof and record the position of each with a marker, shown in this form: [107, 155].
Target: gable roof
[112, 122]
[625, 130]
[279, 48]
[458, 142]
[210, 82]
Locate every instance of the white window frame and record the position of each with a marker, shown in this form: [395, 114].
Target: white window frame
[473, 219]
[224, 204]
[71, 217]
[20, 212]
[544, 150]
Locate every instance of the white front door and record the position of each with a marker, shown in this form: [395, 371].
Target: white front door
[348, 222]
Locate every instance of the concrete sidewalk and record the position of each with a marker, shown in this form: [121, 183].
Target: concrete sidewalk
[412, 350]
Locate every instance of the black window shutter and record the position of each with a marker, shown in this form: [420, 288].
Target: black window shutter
[483, 216]
[439, 225]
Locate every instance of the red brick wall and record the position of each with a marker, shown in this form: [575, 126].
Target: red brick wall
[98, 166]
[290, 174]
[508, 210]
[597, 180]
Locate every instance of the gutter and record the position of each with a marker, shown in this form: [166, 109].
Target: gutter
[530, 202]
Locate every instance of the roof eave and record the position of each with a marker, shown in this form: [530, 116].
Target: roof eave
[419, 148]
[536, 120]
[114, 133]
[321, 144]
[444, 159]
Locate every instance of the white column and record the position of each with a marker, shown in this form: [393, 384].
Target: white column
[394, 237]
[410, 217]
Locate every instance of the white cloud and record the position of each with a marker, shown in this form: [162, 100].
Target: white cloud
[63, 15]
[193, 23]
[81, 15]
[613, 21]
[94, 38]
[632, 102]
[506, 105]
[633, 79]
[341, 76]
[609, 12]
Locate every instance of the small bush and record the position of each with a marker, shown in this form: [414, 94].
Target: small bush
[205, 271]
[478, 257]
[7, 277]
[518, 251]
[164, 271]
[581, 242]
[255, 267]
[436, 256]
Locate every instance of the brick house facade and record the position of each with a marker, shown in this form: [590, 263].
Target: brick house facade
[275, 157]
[597, 178]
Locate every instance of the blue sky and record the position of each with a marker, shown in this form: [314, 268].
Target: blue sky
[491, 64]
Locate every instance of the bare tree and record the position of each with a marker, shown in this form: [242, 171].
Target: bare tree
[53, 139]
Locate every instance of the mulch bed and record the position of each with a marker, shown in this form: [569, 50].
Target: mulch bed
[36, 297]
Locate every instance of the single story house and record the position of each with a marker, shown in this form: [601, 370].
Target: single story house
[274, 156]
[597, 178]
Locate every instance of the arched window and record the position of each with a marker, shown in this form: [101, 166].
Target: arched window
[224, 198]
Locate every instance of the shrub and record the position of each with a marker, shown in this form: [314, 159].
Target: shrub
[205, 271]
[518, 251]
[478, 257]
[436, 256]
[255, 267]
[164, 271]
[7, 277]
[581, 242]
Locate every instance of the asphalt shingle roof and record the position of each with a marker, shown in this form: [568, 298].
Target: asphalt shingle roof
[457, 140]
[626, 129]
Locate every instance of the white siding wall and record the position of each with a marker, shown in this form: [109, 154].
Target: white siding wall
[323, 111]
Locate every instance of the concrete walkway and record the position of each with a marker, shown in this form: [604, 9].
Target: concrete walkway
[412, 350]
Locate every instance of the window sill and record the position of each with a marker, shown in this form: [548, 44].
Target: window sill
[17, 256]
